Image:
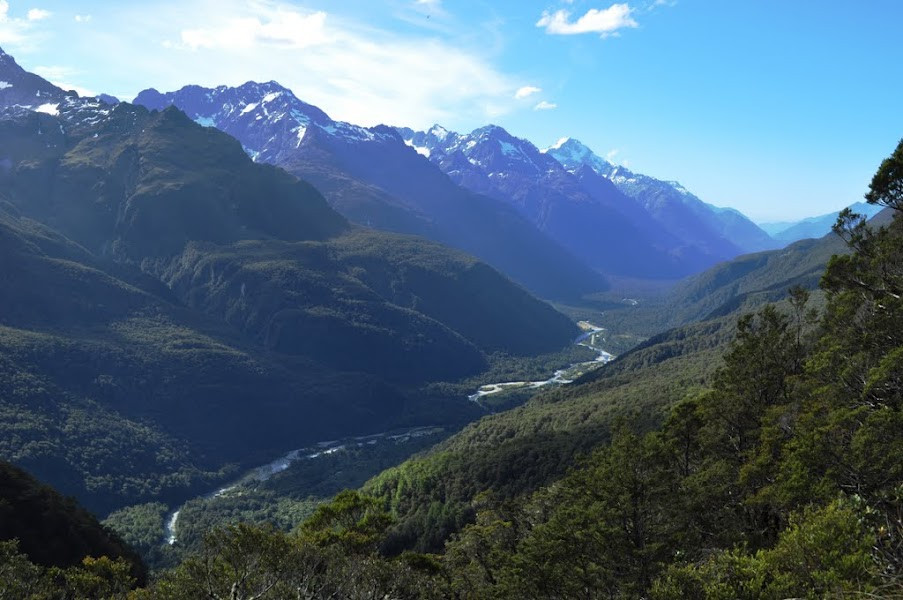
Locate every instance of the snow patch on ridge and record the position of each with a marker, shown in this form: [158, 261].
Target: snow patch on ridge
[301, 130]
[49, 108]
[421, 150]
[512, 151]
[439, 131]
[561, 142]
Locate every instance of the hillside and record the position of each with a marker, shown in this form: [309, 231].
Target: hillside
[523, 449]
[51, 530]
[374, 179]
[749, 456]
[173, 311]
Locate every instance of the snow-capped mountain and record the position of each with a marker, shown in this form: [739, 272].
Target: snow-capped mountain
[675, 207]
[23, 93]
[388, 178]
[593, 225]
[267, 118]
[372, 177]
[580, 206]
[20, 88]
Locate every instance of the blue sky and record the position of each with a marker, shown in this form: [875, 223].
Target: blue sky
[782, 109]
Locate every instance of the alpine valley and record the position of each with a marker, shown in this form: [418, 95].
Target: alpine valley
[496, 199]
[251, 352]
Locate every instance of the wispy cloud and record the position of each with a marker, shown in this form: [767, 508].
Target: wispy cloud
[605, 22]
[38, 14]
[286, 28]
[13, 31]
[353, 71]
[61, 76]
[526, 91]
[82, 18]
[545, 105]
[612, 156]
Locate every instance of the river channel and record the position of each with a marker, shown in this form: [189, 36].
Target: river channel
[324, 448]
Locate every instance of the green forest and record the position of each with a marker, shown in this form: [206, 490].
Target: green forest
[767, 462]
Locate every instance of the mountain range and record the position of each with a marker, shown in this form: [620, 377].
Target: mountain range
[371, 177]
[568, 186]
[500, 198]
[719, 230]
[172, 309]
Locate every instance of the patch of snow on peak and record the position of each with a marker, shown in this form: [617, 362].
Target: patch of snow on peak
[49, 108]
[569, 151]
[249, 108]
[270, 97]
[679, 187]
[421, 150]
[5, 84]
[301, 130]
[439, 131]
[510, 150]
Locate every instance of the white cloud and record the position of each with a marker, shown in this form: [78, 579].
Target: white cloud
[527, 90]
[286, 28]
[602, 21]
[544, 105]
[612, 155]
[82, 18]
[38, 14]
[354, 72]
[14, 32]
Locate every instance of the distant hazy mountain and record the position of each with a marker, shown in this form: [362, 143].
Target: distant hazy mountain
[372, 177]
[813, 227]
[584, 212]
[754, 279]
[722, 232]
